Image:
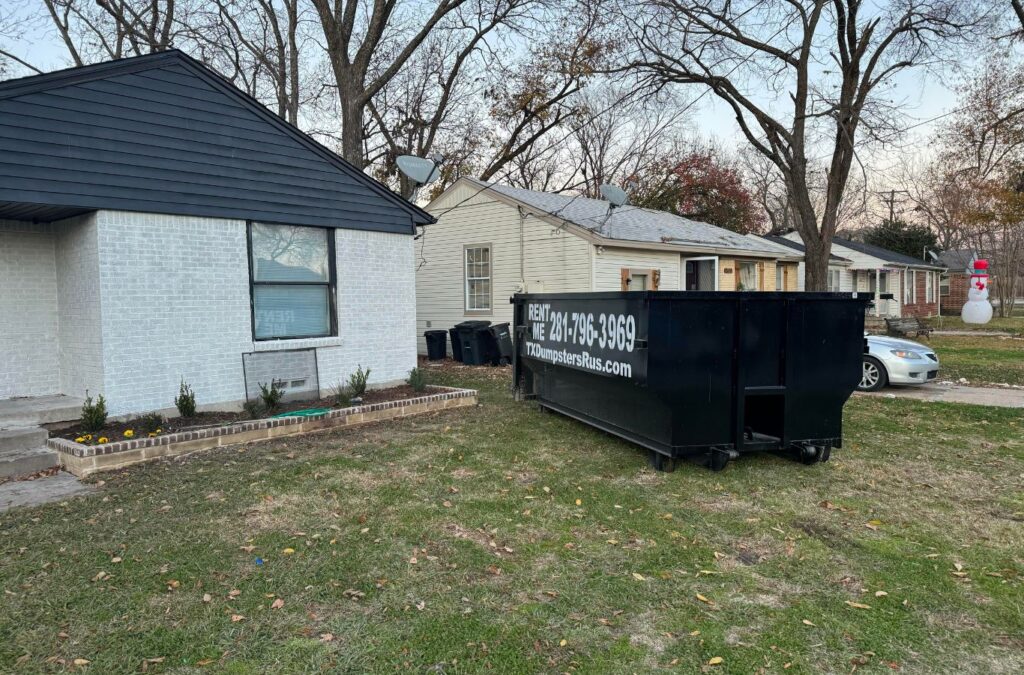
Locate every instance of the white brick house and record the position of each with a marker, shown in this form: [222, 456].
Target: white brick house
[185, 233]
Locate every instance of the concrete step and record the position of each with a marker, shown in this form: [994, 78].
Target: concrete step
[24, 462]
[36, 410]
[22, 438]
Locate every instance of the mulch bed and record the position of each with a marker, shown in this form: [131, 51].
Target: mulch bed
[114, 430]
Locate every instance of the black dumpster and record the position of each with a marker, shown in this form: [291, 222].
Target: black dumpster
[472, 342]
[501, 350]
[437, 344]
[697, 375]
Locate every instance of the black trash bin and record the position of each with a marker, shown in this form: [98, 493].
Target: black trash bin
[437, 344]
[697, 375]
[500, 347]
[472, 347]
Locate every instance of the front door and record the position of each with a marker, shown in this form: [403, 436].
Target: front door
[700, 274]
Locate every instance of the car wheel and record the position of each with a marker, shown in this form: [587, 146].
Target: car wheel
[873, 376]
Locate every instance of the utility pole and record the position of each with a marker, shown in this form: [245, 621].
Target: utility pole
[891, 201]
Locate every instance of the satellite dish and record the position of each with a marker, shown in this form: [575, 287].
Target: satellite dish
[419, 169]
[614, 194]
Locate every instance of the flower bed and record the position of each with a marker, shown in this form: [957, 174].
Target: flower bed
[83, 459]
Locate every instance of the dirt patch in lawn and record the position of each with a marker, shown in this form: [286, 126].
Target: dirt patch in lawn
[115, 431]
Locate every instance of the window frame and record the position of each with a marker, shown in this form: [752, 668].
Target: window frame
[331, 283]
[910, 287]
[929, 288]
[466, 248]
[836, 274]
[944, 278]
[757, 275]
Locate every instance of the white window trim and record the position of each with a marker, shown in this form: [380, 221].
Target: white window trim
[466, 279]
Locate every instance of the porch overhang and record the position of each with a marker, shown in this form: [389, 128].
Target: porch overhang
[39, 213]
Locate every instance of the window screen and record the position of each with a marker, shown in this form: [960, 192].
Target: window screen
[478, 278]
[292, 278]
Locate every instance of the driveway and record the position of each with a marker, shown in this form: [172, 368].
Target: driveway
[948, 392]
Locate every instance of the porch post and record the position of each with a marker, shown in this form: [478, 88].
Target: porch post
[878, 291]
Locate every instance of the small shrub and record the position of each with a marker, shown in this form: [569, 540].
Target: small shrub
[271, 395]
[185, 401]
[254, 409]
[417, 379]
[94, 415]
[357, 382]
[150, 422]
[341, 395]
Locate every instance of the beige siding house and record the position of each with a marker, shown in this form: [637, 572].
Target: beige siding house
[491, 241]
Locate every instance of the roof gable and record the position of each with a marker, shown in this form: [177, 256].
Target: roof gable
[162, 133]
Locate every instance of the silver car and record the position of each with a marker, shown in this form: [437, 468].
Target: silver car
[895, 361]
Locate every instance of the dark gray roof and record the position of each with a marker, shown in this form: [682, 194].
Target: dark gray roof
[957, 260]
[798, 246]
[633, 223]
[884, 254]
[163, 133]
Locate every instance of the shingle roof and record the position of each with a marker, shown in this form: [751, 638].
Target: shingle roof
[957, 260]
[884, 253]
[797, 246]
[633, 223]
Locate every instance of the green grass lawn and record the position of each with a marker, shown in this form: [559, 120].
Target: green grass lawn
[499, 539]
[1011, 324]
[980, 359]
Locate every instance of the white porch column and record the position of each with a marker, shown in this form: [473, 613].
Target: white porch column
[878, 292]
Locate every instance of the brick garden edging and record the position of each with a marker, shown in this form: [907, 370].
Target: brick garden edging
[82, 460]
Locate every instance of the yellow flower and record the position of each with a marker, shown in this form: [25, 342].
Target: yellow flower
[79, 439]
[159, 430]
[88, 437]
[152, 434]
[102, 439]
[128, 433]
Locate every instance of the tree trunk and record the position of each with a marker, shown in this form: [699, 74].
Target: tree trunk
[816, 265]
[351, 104]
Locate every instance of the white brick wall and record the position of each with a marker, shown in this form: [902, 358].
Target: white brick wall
[175, 303]
[376, 309]
[78, 301]
[29, 364]
[126, 304]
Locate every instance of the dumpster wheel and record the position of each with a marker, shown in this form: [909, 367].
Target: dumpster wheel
[812, 454]
[660, 462]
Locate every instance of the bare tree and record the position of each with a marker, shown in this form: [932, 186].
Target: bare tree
[539, 95]
[830, 59]
[113, 29]
[355, 42]
[424, 106]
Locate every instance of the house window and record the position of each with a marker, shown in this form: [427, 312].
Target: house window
[293, 280]
[833, 280]
[478, 278]
[748, 276]
[909, 287]
[929, 287]
[879, 283]
[944, 285]
[780, 285]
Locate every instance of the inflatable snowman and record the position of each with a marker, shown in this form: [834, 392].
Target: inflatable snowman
[977, 308]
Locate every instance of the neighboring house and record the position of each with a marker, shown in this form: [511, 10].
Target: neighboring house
[157, 224]
[956, 280]
[913, 283]
[840, 278]
[491, 241]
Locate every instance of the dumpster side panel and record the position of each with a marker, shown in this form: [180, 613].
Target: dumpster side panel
[690, 366]
[826, 347]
